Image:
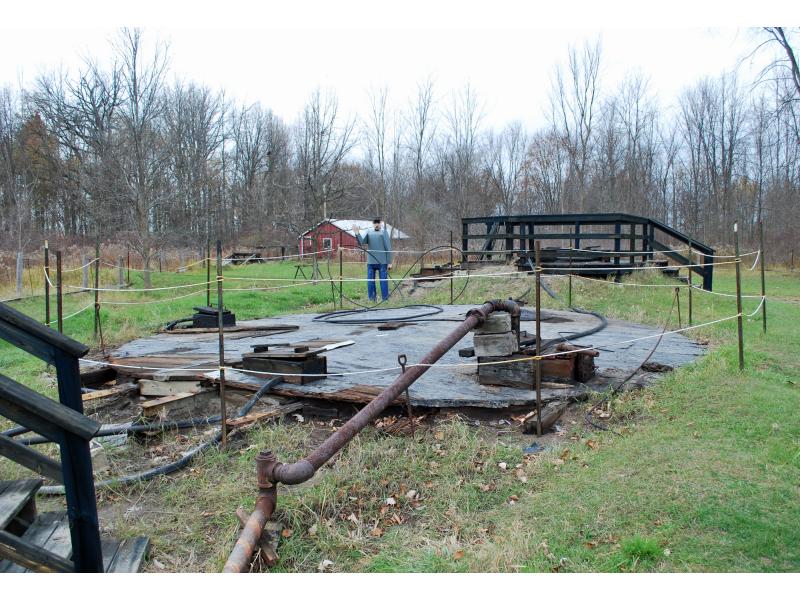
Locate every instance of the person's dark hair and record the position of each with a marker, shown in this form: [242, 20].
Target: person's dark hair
[376, 220]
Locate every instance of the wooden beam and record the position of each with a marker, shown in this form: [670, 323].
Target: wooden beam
[32, 557]
[122, 388]
[23, 455]
[152, 408]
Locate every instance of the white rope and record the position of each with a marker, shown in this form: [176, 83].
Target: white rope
[73, 314]
[438, 365]
[118, 302]
[624, 267]
[90, 263]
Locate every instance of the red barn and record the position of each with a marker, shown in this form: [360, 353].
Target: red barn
[329, 234]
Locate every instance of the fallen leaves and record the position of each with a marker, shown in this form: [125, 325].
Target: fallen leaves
[325, 565]
[287, 533]
[593, 444]
[458, 555]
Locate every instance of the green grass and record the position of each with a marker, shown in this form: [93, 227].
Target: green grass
[701, 474]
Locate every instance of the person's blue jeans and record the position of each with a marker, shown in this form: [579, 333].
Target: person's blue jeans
[383, 273]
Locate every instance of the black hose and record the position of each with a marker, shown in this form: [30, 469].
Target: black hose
[181, 462]
[337, 316]
[171, 325]
[570, 336]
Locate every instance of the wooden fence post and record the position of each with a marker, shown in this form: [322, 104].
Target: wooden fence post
[689, 291]
[223, 409]
[46, 284]
[59, 289]
[763, 278]
[738, 294]
[96, 286]
[538, 339]
[20, 270]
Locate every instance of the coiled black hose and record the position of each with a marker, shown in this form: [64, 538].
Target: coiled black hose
[570, 336]
[181, 462]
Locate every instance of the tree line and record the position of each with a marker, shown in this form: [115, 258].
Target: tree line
[126, 151]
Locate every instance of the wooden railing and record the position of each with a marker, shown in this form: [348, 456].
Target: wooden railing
[630, 237]
[62, 423]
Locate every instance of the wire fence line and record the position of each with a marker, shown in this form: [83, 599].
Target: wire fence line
[439, 365]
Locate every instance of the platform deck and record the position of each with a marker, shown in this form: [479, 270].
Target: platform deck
[439, 387]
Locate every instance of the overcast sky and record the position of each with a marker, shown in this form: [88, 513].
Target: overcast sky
[505, 50]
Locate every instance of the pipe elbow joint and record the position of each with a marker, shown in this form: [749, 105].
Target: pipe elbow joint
[508, 306]
[292, 474]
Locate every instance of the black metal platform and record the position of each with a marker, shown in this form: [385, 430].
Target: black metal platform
[622, 242]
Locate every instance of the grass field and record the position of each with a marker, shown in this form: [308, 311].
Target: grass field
[699, 473]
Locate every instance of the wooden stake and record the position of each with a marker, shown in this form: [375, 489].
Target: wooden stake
[569, 289]
[46, 284]
[96, 286]
[739, 295]
[208, 272]
[763, 278]
[223, 409]
[451, 266]
[689, 291]
[538, 340]
[59, 289]
[341, 290]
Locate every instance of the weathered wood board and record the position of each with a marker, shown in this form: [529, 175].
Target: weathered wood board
[372, 359]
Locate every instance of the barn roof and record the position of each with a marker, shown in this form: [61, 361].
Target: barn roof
[346, 225]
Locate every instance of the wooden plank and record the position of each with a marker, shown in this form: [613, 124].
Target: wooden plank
[150, 387]
[495, 344]
[23, 455]
[151, 408]
[37, 534]
[110, 547]
[122, 388]
[269, 414]
[15, 496]
[262, 328]
[358, 394]
[130, 555]
[32, 557]
[169, 404]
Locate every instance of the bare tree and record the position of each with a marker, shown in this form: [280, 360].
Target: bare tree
[506, 155]
[144, 160]
[421, 127]
[573, 106]
[323, 141]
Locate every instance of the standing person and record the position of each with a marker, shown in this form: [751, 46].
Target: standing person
[379, 257]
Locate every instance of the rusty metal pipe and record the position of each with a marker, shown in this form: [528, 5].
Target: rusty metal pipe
[239, 559]
[304, 469]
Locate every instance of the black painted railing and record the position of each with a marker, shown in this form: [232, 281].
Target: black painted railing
[60, 422]
[629, 237]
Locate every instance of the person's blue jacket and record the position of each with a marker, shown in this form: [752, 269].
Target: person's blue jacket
[378, 246]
